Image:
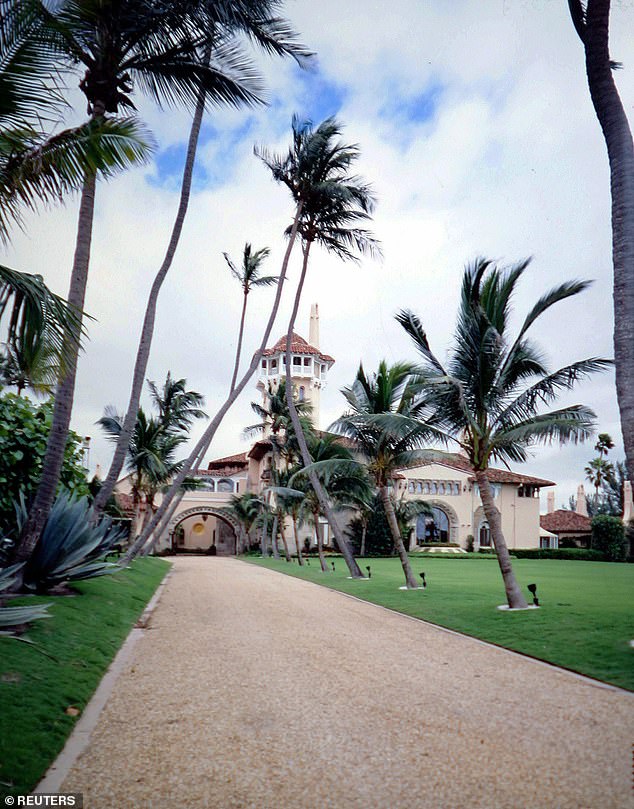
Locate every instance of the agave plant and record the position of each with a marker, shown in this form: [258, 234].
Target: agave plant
[70, 548]
[13, 617]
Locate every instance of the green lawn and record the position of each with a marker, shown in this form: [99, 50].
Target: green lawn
[81, 638]
[585, 623]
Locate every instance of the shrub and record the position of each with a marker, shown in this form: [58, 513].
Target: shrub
[608, 537]
[470, 541]
[12, 618]
[24, 429]
[579, 554]
[70, 548]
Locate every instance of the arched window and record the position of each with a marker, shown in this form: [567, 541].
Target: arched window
[225, 485]
[432, 527]
[434, 487]
[441, 488]
[485, 535]
[426, 487]
[302, 393]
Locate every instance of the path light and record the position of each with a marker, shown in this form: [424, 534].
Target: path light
[532, 589]
[333, 567]
[422, 575]
[308, 562]
[369, 571]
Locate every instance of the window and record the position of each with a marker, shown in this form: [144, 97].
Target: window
[225, 485]
[302, 393]
[432, 527]
[307, 361]
[419, 487]
[273, 365]
[441, 488]
[426, 487]
[485, 535]
[264, 365]
[410, 487]
[297, 360]
[434, 487]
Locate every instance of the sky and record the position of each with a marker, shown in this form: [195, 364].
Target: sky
[477, 133]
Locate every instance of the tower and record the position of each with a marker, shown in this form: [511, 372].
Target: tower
[309, 366]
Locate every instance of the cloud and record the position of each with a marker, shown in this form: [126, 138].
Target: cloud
[477, 132]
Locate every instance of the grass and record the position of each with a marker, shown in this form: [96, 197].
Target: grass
[585, 623]
[74, 648]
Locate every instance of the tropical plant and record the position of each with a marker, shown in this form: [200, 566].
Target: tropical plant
[488, 396]
[14, 618]
[248, 275]
[24, 429]
[245, 509]
[70, 548]
[235, 82]
[30, 362]
[333, 203]
[177, 407]
[598, 470]
[386, 425]
[591, 23]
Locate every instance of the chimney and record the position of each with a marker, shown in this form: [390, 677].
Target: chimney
[313, 332]
[550, 502]
[628, 503]
[582, 507]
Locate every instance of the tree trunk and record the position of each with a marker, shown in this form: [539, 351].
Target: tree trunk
[287, 554]
[203, 444]
[276, 550]
[594, 33]
[147, 330]
[300, 558]
[64, 396]
[410, 580]
[353, 567]
[239, 346]
[513, 593]
[320, 543]
[364, 531]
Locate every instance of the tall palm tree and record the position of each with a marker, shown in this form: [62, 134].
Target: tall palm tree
[177, 407]
[598, 471]
[175, 55]
[249, 278]
[385, 423]
[30, 361]
[334, 203]
[259, 21]
[244, 508]
[592, 25]
[488, 396]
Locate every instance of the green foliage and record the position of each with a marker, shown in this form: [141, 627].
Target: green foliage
[608, 537]
[70, 547]
[378, 538]
[69, 656]
[570, 554]
[12, 617]
[24, 429]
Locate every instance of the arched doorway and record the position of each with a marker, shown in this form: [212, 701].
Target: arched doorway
[203, 530]
[484, 534]
[434, 527]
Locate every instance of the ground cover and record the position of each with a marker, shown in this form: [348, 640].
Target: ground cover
[44, 688]
[585, 623]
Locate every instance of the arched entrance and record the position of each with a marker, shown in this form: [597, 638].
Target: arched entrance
[203, 529]
[440, 526]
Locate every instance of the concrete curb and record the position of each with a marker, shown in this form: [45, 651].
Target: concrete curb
[81, 733]
[553, 666]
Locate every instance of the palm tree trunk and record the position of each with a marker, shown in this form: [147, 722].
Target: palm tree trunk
[147, 330]
[300, 558]
[287, 554]
[320, 543]
[513, 593]
[276, 550]
[593, 29]
[364, 531]
[204, 442]
[353, 567]
[58, 436]
[410, 580]
[239, 347]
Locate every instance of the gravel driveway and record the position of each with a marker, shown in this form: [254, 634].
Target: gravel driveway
[253, 689]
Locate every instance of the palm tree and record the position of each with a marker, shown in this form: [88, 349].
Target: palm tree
[598, 471]
[249, 278]
[604, 444]
[238, 84]
[177, 407]
[178, 55]
[31, 361]
[482, 397]
[385, 424]
[333, 204]
[592, 26]
[36, 167]
[244, 508]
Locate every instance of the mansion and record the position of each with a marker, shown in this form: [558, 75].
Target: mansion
[200, 524]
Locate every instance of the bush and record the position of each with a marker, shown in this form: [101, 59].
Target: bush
[24, 429]
[12, 619]
[608, 537]
[70, 548]
[571, 554]
[470, 541]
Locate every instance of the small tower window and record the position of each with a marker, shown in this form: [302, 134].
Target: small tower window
[297, 360]
[306, 360]
[302, 393]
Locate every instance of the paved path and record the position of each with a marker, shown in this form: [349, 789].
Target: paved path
[252, 689]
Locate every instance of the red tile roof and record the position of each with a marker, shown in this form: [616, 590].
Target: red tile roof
[494, 475]
[239, 460]
[298, 346]
[563, 521]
